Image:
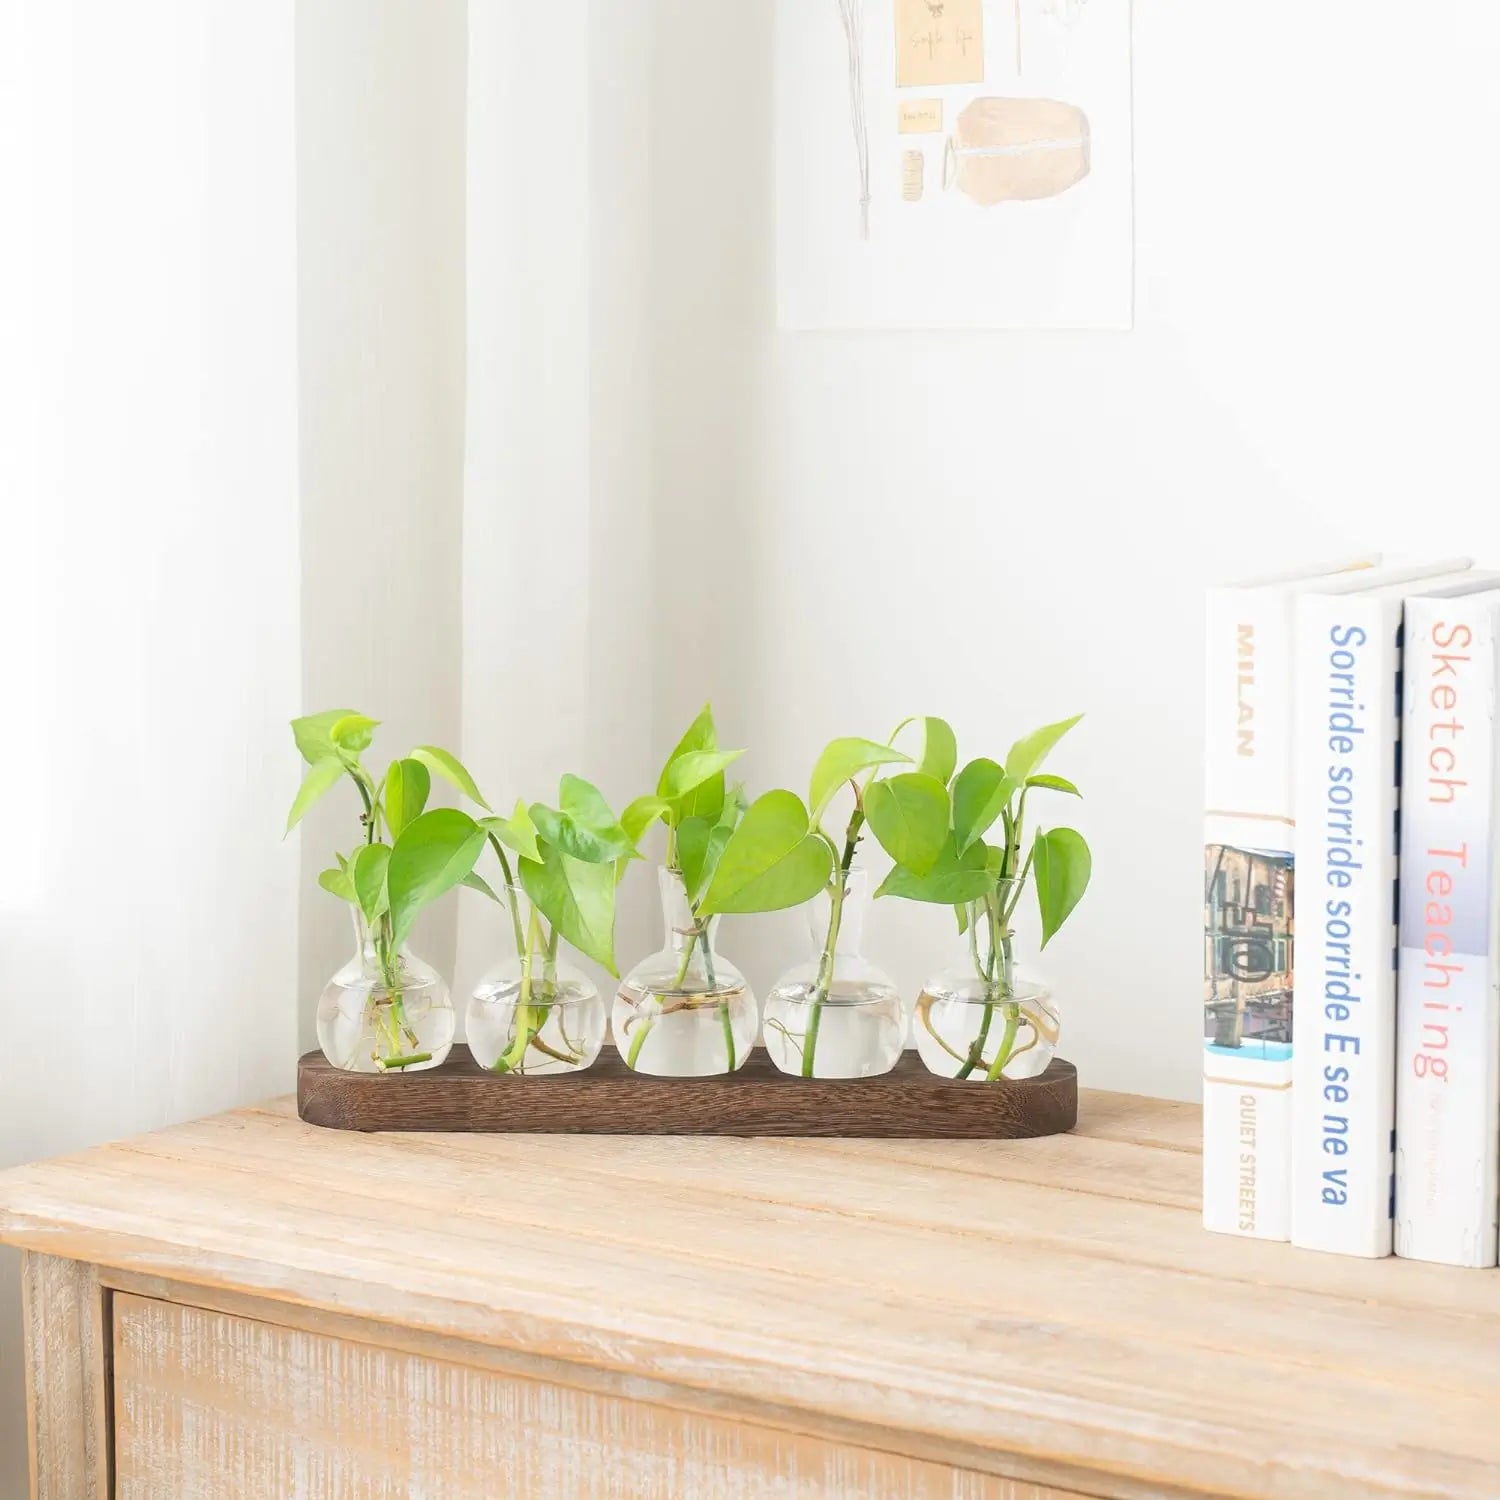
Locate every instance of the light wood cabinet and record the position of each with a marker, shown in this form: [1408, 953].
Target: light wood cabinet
[249, 1307]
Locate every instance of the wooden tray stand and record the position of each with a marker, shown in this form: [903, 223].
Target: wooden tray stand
[610, 1099]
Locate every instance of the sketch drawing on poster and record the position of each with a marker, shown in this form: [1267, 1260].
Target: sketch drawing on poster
[954, 164]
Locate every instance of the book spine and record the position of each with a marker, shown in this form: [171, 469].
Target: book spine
[1247, 903]
[1448, 990]
[1348, 730]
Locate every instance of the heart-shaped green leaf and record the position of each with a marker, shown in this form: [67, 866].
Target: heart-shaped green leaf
[909, 815]
[772, 860]
[577, 898]
[641, 814]
[432, 855]
[1062, 864]
[584, 827]
[690, 770]
[1054, 784]
[368, 871]
[699, 735]
[353, 733]
[478, 883]
[312, 733]
[938, 754]
[843, 760]
[337, 883]
[516, 832]
[981, 792]
[700, 846]
[321, 779]
[1027, 754]
[407, 783]
[451, 769]
[954, 878]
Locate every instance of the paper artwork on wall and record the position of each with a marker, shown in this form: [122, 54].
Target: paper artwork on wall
[954, 164]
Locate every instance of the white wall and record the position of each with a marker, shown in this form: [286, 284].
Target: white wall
[148, 483]
[380, 204]
[559, 586]
[1007, 528]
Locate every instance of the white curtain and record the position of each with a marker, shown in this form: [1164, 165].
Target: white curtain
[148, 479]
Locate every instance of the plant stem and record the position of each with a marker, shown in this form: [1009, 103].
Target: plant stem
[521, 1037]
[824, 981]
[512, 901]
[1007, 1040]
[727, 1021]
[389, 1064]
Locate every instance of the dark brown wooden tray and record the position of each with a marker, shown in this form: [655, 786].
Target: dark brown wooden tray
[610, 1099]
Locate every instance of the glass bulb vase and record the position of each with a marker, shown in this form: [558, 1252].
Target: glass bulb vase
[385, 1011]
[980, 1018]
[534, 1013]
[685, 1012]
[837, 1015]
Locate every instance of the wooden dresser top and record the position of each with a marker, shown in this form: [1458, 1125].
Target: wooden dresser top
[1052, 1300]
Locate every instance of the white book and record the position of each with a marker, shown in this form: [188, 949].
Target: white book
[1247, 928]
[1347, 733]
[1448, 987]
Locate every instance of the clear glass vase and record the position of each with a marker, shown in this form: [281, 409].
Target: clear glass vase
[385, 1011]
[685, 1012]
[982, 1018]
[534, 1013]
[836, 1016]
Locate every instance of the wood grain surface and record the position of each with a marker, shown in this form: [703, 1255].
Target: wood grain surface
[67, 1351]
[1046, 1311]
[758, 1100]
[216, 1407]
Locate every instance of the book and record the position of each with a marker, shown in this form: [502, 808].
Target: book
[1247, 900]
[1448, 982]
[1347, 732]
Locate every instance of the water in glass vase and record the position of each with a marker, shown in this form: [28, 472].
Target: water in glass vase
[981, 1019]
[385, 1011]
[534, 1013]
[685, 1012]
[836, 1016]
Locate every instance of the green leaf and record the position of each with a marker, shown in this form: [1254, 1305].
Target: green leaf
[337, 883]
[312, 733]
[1054, 784]
[939, 753]
[577, 898]
[981, 793]
[1027, 754]
[961, 911]
[451, 769]
[321, 779]
[699, 735]
[640, 814]
[584, 827]
[909, 815]
[407, 784]
[516, 832]
[841, 761]
[1062, 864]
[734, 807]
[953, 879]
[772, 860]
[353, 732]
[368, 870]
[700, 846]
[434, 852]
[478, 883]
[690, 770]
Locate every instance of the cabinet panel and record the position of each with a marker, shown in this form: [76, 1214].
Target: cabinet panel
[210, 1406]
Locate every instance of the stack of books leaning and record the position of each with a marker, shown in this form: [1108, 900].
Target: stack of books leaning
[1351, 996]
